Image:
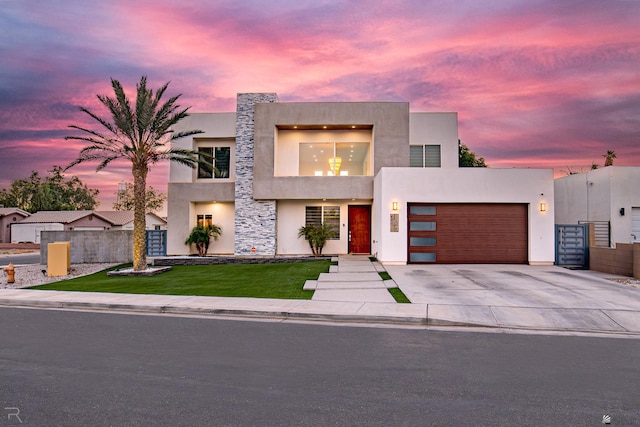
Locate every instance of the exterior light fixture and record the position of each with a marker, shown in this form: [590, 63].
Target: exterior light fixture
[394, 206]
[334, 164]
[543, 207]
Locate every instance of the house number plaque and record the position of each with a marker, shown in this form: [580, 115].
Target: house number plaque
[395, 223]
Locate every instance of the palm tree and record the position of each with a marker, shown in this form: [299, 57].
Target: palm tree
[138, 135]
[609, 157]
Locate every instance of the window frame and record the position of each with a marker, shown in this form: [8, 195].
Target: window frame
[214, 159]
[424, 155]
[341, 150]
[204, 220]
[325, 214]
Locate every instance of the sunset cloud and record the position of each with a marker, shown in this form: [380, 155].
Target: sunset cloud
[536, 83]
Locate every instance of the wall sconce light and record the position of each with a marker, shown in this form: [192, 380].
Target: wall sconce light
[622, 212]
[543, 207]
[394, 206]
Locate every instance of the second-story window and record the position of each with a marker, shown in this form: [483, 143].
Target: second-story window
[214, 162]
[334, 159]
[424, 156]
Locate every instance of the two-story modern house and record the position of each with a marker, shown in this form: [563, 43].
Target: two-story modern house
[386, 179]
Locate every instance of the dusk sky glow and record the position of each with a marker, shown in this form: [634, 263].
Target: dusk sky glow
[536, 83]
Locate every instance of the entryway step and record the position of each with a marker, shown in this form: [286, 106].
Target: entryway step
[349, 277]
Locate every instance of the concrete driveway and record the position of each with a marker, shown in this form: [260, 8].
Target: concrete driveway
[521, 296]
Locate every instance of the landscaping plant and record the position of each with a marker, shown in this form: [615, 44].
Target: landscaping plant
[201, 237]
[317, 236]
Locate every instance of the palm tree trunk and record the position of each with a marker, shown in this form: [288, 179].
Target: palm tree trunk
[139, 217]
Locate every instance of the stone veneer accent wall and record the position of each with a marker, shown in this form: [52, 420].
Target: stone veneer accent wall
[255, 222]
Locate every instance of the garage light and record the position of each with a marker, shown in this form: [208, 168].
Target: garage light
[543, 207]
[394, 206]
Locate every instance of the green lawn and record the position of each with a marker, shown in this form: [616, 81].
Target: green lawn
[228, 280]
[399, 296]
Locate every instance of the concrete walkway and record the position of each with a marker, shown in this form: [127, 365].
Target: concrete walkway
[354, 279]
[494, 296]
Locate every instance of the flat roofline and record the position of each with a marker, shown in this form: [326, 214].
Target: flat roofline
[324, 127]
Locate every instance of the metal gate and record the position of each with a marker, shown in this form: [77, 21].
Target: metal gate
[572, 245]
[156, 242]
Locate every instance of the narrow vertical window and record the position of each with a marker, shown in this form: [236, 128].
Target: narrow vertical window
[416, 158]
[222, 161]
[432, 156]
[205, 164]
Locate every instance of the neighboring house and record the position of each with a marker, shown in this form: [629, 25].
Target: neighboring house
[9, 216]
[28, 230]
[386, 179]
[123, 220]
[608, 197]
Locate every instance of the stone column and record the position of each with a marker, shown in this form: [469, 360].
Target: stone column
[255, 220]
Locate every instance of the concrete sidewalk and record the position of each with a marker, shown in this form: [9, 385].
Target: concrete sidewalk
[509, 297]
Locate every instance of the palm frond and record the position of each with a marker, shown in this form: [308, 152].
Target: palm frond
[137, 132]
[178, 135]
[89, 131]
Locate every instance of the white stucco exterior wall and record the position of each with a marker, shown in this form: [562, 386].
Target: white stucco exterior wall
[436, 129]
[461, 185]
[598, 195]
[223, 216]
[291, 216]
[214, 125]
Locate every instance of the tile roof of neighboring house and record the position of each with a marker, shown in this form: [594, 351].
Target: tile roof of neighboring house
[63, 217]
[122, 217]
[9, 211]
[116, 217]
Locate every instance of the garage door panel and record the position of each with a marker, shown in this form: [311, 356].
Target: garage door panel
[472, 233]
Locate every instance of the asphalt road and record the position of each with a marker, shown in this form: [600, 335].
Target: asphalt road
[74, 368]
[26, 258]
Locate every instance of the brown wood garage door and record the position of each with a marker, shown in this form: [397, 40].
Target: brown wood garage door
[468, 233]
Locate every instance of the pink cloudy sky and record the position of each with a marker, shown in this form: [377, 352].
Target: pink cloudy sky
[536, 83]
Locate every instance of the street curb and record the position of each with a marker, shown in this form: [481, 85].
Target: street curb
[227, 312]
[283, 314]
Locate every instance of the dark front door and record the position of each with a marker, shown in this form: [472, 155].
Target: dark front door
[359, 229]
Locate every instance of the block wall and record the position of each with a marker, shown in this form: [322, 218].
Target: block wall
[113, 246]
[618, 260]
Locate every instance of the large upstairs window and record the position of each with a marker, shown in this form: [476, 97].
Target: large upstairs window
[316, 150]
[333, 159]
